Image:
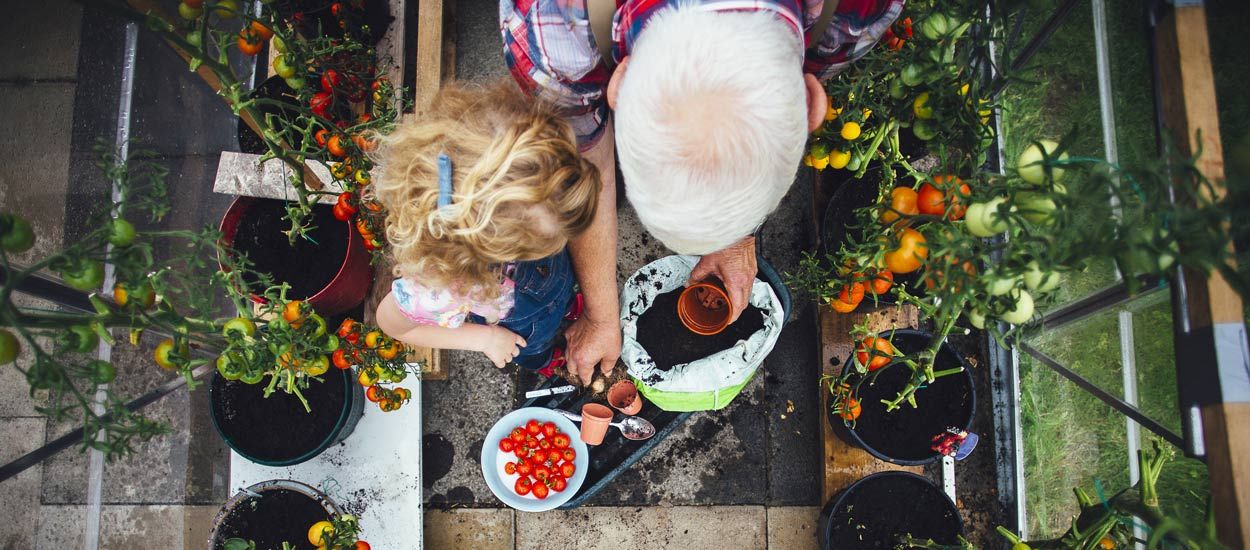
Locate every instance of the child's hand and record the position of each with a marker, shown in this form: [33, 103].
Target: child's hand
[502, 345]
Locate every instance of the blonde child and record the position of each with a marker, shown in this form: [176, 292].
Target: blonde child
[483, 193]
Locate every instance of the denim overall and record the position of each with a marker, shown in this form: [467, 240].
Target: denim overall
[543, 292]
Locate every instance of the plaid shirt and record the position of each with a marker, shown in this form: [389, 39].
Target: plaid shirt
[550, 50]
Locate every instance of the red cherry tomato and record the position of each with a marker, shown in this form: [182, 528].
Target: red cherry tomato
[569, 454]
[542, 472]
[561, 441]
[518, 435]
[568, 469]
[523, 486]
[373, 394]
[544, 444]
[554, 455]
[506, 445]
[559, 484]
[541, 491]
[520, 452]
[533, 427]
[550, 429]
[510, 467]
[524, 468]
[330, 80]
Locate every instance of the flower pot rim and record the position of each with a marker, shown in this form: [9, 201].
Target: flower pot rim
[689, 322]
[836, 502]
[307, 490]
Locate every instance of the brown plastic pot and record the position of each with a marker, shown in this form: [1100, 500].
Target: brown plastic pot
[704, 308]
[623, 396]
[595, 420]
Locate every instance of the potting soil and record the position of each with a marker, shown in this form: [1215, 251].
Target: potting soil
[308, 265]
[277, 516]
[885, 508]
[277, 428]
[906, 432]
[670, 343]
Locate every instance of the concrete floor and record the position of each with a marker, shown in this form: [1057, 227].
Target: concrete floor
[744, 477]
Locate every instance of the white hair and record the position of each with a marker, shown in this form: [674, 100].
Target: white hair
[711, 121]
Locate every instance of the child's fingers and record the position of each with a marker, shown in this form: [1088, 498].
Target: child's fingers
[520, 341]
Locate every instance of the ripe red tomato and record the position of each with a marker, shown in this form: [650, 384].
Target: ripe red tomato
[524, 468]
[550, 429]
[339, 358]
[523, 485]
[510, 467]
[330, 80]
[517, 435]
[533, 427]
[932, 199]
[320, 104]
[520, 452]
[882, 282]
[507, 445]
[322, 136]
[568, 469]
[544, 444]
[560, 441]
[542, 472]
[553, 456]
[373, 394]
[335, 146]
[541, 491]
[362, 545]
[559, 484]
[569, 454]
[249, 43]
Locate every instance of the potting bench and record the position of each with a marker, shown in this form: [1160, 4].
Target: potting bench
[374, 474]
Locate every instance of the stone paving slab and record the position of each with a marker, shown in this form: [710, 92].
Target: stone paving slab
[34, 182]
[614, 528]
[21, 493]
[127, 527]
[41, 39]
[476, 528]
[793, 527]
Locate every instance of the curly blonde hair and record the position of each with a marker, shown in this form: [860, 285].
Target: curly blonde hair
[520, 188]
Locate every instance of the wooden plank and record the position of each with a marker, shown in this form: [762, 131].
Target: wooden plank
[1187, 85]
[430, 62]
[845, 464]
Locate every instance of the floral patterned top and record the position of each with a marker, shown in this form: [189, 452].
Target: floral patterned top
[440, 306]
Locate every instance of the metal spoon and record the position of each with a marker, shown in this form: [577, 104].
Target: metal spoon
[632, 427]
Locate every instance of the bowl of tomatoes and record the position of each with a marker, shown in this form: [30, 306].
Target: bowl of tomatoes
[534, 460]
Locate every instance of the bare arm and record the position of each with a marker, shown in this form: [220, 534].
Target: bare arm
[498, 343]
[595, 339]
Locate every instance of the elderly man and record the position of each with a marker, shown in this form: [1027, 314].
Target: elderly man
[713, 101]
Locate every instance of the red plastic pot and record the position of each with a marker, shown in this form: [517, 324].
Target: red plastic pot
[350, 284]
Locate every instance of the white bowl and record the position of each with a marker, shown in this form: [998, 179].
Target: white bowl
[493, 460]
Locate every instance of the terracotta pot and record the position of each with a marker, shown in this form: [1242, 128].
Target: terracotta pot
[595, 420]
[623, 396]
[704, 308]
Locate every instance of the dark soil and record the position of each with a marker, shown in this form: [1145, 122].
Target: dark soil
[277, 516]
[907, 432]
[881, 510]
[670, 343]
[309, 265]
[277, 428]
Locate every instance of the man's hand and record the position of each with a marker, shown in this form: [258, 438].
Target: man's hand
[735, 266]
[592, 343]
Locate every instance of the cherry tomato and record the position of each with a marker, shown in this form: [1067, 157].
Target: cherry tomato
[518, 435]
[560, 441]
[319, 532]
[331, 80]
[568, 469]
[842, 307]
[569, 454]
[879, 348]
[544, 444]
[533, 427]
[542, 472]
[339, 358]
[509, 467]
[391, 350]
[259, 29]
[851, 409]
[165, 355]
[541, 491]
[335, 146]
[882, 282]
[373, 339]
[321, 103]
[910, 253]
[291, 313]
[346, 327]
[507, 445]
[932, 199]
[249, 43]
[852, 293]
[9, 347]
[559, 484]
[523, 485]
[322, 136]
[281, 66]
[524, 468]
[16, 235]
[121, 233]
[362, 545]
[902, 203]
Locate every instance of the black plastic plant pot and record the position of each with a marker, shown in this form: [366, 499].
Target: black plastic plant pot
[276, 430]
[879, 511]
[839, 222]
[905, 435]
[270, 513]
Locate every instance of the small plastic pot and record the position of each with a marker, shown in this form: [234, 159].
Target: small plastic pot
[595, 420]
[623, 396]
[704, 308]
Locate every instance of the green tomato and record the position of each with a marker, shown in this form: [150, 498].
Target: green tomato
[896, 88]
[88, 275]
[102, 372]
[332, 344]
[976, 318]
[1021, 546]
[935, 26]
[240, 325]
[1030, 162]
[1040, 281]
[912, 75]
[227, 368]
[296, 83]
[1036, 208]
[278, 324]
[983, 218]
[18, 236]
[923, 130]
[252, 377]
[195, 39]
[226, 9]
[1000, 286]
[121, 232]
[1022, 311]
[319, 325]
[9, 347]
[83, 338]
[282, 67]
[188, 12]
[278, 44]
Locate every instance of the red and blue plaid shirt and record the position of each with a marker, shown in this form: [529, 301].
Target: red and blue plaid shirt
[551, 52]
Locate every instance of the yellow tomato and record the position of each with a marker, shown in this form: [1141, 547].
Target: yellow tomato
[920, 106]
[850, 131]
[839, 159]
[909, 255]
[319, 531]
